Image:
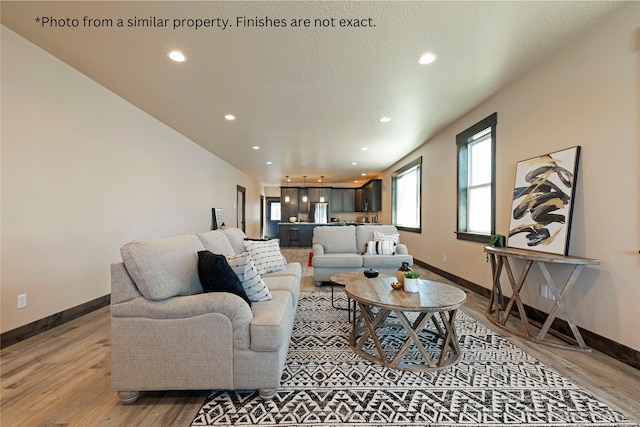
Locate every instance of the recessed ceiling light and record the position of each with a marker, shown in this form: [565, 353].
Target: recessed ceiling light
[177, 56]
[255, 147]
[269, 163]
[427, 58]
[385, 119]
[230, 117]
[363, 174]
[364, 149]
[354, 163]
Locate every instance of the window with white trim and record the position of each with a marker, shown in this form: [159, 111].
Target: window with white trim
[406, 196]
[476, 181]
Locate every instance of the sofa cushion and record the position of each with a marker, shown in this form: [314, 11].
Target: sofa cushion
[292, 269]
[217, 276]
[338, 260]
[283, 283]
[217, 242]
[266, 255]
[335, 238]
[269, 325]
[164, 267]
[236, 238]
[253, 285]
[385, 261]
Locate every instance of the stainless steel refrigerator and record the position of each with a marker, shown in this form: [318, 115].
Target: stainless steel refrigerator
[319, 212]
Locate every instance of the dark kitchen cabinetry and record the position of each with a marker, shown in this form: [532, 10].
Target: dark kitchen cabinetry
[303, 231]
[369, 196]
[316, 192]
[290, 208]
[343, 200]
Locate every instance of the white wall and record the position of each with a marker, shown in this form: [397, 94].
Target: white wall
[84, 172]
[587, 95]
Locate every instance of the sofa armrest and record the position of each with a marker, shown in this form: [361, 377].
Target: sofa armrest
[318, 249]
[230, 305]
[402, 249]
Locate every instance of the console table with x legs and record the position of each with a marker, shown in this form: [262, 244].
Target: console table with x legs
[499, 310]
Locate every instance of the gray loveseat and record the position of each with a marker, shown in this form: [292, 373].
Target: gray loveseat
[338, 249]
[168, 335]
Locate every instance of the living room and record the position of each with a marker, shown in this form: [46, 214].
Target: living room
[84, 171]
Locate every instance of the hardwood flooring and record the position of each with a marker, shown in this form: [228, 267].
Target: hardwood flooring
[62, 377]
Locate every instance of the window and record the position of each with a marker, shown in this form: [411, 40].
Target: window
[406, 197]
[476, 181]
[275, 211]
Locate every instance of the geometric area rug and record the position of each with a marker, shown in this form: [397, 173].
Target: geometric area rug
[325, 383]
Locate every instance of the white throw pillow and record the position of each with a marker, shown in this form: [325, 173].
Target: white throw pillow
[381, 247]
[381, 236]
[253, 285]
[266, 255]
[370, 248]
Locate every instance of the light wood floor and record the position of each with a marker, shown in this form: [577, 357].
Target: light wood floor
[62, 377]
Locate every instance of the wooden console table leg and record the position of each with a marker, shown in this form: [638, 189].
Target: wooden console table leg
[496, 303]
[559, 294]
[515, 297]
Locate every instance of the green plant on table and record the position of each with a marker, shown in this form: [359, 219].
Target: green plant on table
[412, 275]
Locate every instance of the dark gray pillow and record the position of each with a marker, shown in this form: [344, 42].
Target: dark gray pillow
[216, 275]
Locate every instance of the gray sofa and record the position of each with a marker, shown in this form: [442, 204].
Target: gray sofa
[168, 335]
[338, 249]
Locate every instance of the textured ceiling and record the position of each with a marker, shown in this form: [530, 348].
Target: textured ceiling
[310, 97]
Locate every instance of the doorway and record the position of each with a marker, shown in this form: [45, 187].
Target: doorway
[274, 215]
[240, 211]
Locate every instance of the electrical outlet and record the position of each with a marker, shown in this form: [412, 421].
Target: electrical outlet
[550, 295]
[444, 258]
[22, 301]
[544, 291]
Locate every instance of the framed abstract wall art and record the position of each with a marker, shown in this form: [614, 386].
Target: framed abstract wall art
[543, 202]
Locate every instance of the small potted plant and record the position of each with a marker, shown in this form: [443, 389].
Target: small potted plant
[411, 279]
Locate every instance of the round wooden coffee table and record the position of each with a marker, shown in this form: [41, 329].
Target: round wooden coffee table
[409, 331]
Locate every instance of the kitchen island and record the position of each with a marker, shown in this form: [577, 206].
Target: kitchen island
[300, 234]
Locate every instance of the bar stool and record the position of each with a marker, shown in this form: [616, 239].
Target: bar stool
[294, 236]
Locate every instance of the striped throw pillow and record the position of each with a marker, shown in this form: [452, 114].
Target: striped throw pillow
[253, 285]
[381, 247]
[266, 255]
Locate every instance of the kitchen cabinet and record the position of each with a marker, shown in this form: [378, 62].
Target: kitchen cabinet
[290, 208]
[368, 198]
[343, 200]
[316, 192]
[304, 206]
[304, 233]
[359, 197]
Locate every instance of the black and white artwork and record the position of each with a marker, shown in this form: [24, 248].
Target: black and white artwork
[543, 202]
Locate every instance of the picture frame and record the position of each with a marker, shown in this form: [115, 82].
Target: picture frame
[218, 218]
[542, 204]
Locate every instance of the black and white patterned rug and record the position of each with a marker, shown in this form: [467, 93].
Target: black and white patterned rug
[326, 384]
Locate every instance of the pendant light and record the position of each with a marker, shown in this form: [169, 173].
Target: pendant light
[322, 189]
[304, 186]
[287, 199]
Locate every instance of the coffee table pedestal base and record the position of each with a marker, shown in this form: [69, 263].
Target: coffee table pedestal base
[374, 328]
